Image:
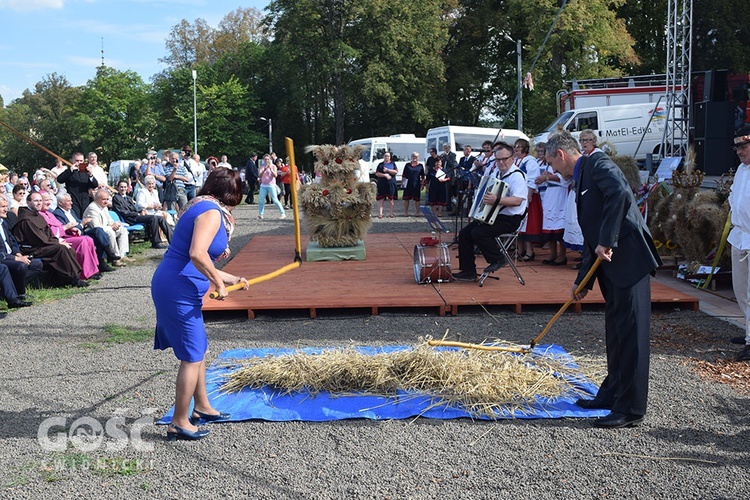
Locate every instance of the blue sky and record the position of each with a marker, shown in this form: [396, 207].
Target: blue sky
[40, 37]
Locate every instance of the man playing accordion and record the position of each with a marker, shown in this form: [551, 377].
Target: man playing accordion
[513, 208]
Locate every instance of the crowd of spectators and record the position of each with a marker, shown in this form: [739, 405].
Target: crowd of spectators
[67, 225]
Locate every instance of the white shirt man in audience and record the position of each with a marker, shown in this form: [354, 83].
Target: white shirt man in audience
[98, 212]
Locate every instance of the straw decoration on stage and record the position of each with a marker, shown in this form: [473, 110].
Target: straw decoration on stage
[337, 210]
[483, 383]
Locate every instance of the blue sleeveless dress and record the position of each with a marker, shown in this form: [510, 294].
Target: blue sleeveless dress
[177, 289]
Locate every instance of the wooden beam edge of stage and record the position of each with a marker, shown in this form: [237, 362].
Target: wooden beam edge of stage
[385, 281]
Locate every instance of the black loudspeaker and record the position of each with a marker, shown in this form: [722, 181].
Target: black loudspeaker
[715, 85]
[713, 120]
[715, 156]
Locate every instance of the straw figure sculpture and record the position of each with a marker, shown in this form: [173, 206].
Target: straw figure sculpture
[689, 221]
[337, 210]
[483, 383]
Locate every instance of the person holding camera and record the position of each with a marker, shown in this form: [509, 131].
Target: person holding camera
[78, 180]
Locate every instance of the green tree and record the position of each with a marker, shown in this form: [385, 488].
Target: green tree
[49, 116]
[720, 36]
[588, 41]
[113, 106]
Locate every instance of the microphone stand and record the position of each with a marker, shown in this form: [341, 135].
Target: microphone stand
[460, 175]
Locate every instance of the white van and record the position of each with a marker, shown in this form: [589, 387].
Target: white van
[401, 146]
[118, 170]
[457, 137]
[620, 126]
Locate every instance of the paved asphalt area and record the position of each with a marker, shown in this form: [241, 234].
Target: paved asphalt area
[63, 373]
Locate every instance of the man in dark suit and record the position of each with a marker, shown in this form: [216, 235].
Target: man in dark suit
[449, 166]
[78, 182]
[462, 178]
[614, 230]
[251, 177]
[125, 208]
[16, 269]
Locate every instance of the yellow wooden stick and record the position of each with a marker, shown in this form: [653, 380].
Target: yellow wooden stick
[480, 347]
[295, 205]
[583, 282]
[259, 279]
[720, 250]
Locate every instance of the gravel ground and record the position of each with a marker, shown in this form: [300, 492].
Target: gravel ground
[695, 442]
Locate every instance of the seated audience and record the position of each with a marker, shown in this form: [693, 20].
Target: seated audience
[36, 238]
[18, 198]
[128, 212]
[83, 245]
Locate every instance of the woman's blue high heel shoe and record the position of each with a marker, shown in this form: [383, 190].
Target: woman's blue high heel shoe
[205, 417]
[186, 434]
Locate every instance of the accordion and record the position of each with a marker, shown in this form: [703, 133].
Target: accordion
[480, 211]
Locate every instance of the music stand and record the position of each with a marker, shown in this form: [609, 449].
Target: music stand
[436, 225]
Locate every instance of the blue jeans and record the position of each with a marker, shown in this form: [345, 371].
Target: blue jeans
[270, 191]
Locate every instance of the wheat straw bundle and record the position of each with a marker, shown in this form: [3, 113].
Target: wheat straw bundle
[490, 384]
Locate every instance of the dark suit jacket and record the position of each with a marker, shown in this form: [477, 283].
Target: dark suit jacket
[125, 208]
[467, 162]
[251, 170]
[60, 215]
[12, 242]
[609, 216]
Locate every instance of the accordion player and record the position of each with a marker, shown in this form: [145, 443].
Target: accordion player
[481, 211]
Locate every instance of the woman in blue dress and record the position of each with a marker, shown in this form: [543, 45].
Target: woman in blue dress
[412, 179]
[387, 189]
[201, 236]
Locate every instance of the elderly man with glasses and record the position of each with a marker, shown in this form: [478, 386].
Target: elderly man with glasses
[511, 214]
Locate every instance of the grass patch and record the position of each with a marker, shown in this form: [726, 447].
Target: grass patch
[44, 295]
[125, 334]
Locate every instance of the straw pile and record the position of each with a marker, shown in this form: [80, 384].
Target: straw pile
[485, 383]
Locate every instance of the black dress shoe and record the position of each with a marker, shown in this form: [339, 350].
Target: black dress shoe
[745, 354]
[495, 266]
[19, 303]
[105, 268]
[618, 420]
[79, 284]
[465, 276]
[738, 340]
[96, 276]
[593, 404]
[160, 246]
[3, 314]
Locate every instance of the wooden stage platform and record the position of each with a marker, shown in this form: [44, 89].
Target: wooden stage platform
[385, 280]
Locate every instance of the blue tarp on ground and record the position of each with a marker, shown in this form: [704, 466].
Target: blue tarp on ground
[269, 404]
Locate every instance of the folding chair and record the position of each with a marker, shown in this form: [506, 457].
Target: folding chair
[505, 242]
[135, 231]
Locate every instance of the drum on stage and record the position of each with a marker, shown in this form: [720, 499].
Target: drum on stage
[432, 264]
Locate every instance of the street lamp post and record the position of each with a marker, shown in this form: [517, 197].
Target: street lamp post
[520, 87]
[520, 80]
[195, 115]
[270, 133]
